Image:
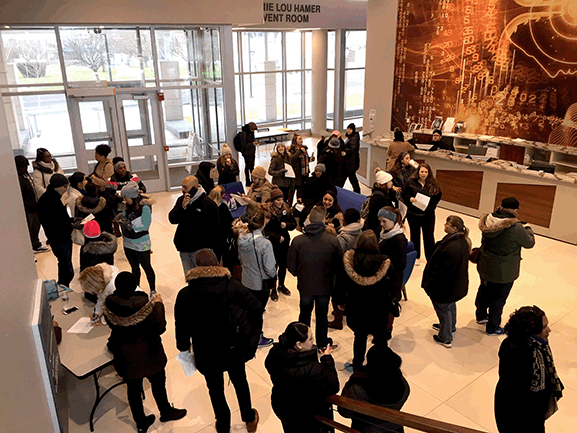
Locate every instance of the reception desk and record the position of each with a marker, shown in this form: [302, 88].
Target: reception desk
[473, 187]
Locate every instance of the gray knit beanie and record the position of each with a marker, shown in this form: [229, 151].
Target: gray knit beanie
[130, 190]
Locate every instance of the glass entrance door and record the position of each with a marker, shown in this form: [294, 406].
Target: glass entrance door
[129, 124]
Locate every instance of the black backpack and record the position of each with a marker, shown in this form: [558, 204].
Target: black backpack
[246, 331]
[237, 143]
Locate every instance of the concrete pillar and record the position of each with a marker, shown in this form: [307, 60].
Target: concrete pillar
[270, 91]
[319, 82]
[226, 48]
[380, 65]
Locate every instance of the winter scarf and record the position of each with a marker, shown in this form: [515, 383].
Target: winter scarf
[542, 365]
[397, 229]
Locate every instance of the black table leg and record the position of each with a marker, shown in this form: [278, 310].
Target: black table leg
[99, 397]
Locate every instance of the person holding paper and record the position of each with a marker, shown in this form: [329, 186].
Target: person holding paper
[93, 203]
[135, 221]
[422, 194]
[279, 161]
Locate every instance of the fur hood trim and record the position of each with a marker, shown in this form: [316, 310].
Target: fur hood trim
[147, 200]
[135, 319]
[359, 279]
[207, 272]
[42, 166]
[107, 245]
[491, 224]
[99, 207]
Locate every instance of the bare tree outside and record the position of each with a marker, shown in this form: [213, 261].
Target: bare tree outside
[31, 59]
[89, 51]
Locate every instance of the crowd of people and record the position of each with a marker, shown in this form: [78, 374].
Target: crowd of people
[350, 260]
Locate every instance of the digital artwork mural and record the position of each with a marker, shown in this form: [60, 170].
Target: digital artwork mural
[505, 68]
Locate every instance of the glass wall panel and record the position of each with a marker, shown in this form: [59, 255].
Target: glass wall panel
[175, 55]
[262, 51]
[355, 54]
[30, 56]
[235, 51]
[263, 99]
[330, 94]
[293, 50]
[209, 49]
[354, 92]
[331, 50]
[294, 95]
[237, 82]
[308, 93]
[308, 50]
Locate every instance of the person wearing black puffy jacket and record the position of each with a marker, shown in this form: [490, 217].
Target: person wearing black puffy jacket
[301, 381]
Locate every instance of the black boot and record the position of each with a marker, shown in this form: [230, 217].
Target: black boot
[148, 421]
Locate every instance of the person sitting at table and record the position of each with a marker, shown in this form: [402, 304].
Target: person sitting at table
[439, 143]
[137, 324]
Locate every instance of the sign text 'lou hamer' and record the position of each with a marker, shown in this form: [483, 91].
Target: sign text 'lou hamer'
[289, 12]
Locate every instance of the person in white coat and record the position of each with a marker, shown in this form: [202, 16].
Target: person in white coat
[98, 281]
[44, 167]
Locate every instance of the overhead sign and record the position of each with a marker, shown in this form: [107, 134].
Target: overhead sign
[289, 12]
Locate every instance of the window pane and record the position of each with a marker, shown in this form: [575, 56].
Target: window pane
[358, 121]
[30, 56]
[330, 94]
[293, 50]
[263, 97]
[308, 93]
[355, 54]
[235, 50]
[354, 92]
[294, 95]
[237, 82]
[210, 54]
[41, 121]
[107, 54]
[331, 50]
[308, 50]
[295, 126]
[173, 48]
[262, 51]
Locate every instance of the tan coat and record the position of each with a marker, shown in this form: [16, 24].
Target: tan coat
[102, 173]
[395, 149]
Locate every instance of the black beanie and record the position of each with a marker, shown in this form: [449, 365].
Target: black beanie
[21, 161]
[57, 180]
[510, 203]
[125, 284]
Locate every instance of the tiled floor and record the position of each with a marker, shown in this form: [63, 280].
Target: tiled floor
[453, 385]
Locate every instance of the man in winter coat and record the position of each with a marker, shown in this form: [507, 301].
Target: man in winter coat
[197, 218]
[30, 200]
[314, 258]
[202, 318]
[351, 229]
[136, 324]
[248, 143]
[58, 226]
[353, 159]
[499, 261]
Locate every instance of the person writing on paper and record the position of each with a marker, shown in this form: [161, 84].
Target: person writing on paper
[278, 171]
[136, 324]
[422, 194]
[98, 282]
[259, 191]
[439, 143]
[202, 321]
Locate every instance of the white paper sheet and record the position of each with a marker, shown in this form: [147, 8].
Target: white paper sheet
[88, 218]
[290, 173]
[299, 207]
[186, 359]
[240, 199]
[422, 201]
[83, 326]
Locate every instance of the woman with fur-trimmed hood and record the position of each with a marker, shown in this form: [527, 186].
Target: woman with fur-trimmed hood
[99, 246]
[93, 204]
[368, 289]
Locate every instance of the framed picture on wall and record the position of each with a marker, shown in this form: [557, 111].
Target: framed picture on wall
[437, 122]
[418, 127]
[460, 127]
[413, 127]
[449, 123]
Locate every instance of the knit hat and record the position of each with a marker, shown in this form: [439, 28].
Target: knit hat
[334, 143]
[383, 177]
[317, 214]
[118, 164]
[225, 150]
[352, 126]
[385, 213]
[206, 257]
[259, 173]
[321, 167]
[510, 203]
[91, 229]
[275, 193]
[130, 190]
[57, 180]
[253, 126]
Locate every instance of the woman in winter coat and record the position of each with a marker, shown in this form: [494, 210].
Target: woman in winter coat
[277, 170]
[44, 167]
[446, 277]
[313, 190]
[301, 381]
[380, 383]
[393, 244]
[98, 281]
[259, 190]
[402, 169]
[104, 170]
[93, 204]
[227, 166]
[528, 388]
[136, 325]
[205, 173]
[277, 231]
[75, 190]
[99, 246]
[135, 221]
[382, 195]
[257, 261]
[224, 232]
[334, 219]
[122, 176]
[300, 161]
[333, 157]
[396, 148]
[369, 294]
[423, 182]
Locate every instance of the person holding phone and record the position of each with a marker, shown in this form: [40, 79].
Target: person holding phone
[227, 166]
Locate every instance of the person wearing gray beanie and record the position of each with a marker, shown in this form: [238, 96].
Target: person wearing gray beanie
[130, 190]
[321, 167]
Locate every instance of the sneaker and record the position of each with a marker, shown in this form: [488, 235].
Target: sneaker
[251, 426]
[148, 421]
[442, 342]
[482, 321]
[152, 293]
[173, 414]
[265, 342]
[437, 327]
[498, 331]
[284, 290]
[41, 249]
[274, 295]
[349, 367]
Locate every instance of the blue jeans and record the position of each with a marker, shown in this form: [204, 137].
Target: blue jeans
[447, 314]
[188, 260]
[321, 305]
[492, 297]
[63, 252]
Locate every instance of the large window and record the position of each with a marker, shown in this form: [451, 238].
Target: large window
[355, 57]
[273, 78]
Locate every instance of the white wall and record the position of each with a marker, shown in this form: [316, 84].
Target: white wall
[380, 66]
[22, 401]
[130, 11]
